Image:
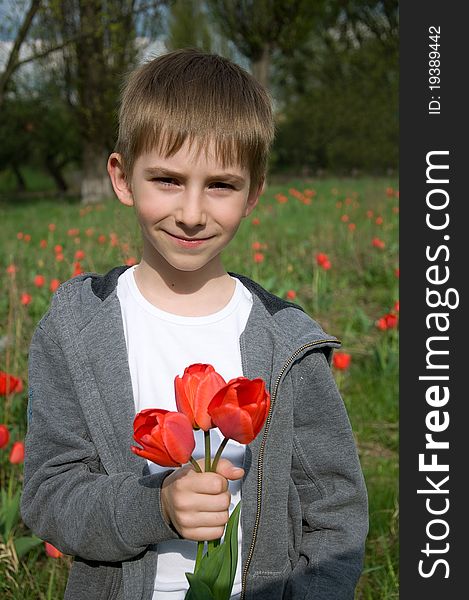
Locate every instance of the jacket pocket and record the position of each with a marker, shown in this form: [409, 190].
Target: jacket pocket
[294, 524]
[94, 581]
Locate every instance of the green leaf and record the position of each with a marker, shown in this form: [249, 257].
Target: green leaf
[215, 576]
[224, 582]
[25, 544]
[198, 590]
[9, 513]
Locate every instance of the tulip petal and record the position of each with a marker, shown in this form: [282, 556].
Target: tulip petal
[178, 437]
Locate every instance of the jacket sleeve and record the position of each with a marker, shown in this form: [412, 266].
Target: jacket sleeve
[68, 499]
[330, 485]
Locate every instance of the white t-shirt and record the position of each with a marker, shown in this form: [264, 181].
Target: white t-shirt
[160, 345]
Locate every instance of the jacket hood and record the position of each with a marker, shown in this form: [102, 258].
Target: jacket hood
[286, 324]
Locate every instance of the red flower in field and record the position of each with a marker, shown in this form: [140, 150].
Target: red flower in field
[397, 272]
[4, 436]
[338, 204]
[194, 391]
[59, 257]
[352, 226]
[113, 239]
[256, 245]
[321, 258]
[101, 239]
[395, 210]
[396, 305]
[378, 243]
[79, 255]
[131, 261]
[39, 280]
[379, 220]
[240, 408]
[20, 235]
[281, 198]
[166, 437]
[58, 249]
[52, 551]
[25, 299]
[27, 237]
[348, 201]
[291, 294]
[255, 221]
[16, 453]
[77, 269]
[258, 257]
[309, 193]
[344, 218]
[89, 232]
[54, 284]
[369, 214]
[10, 384]
[51, 226]
[389, 321]
[389, 192]
[12, 269]
[73, 232]
[341, 360]
[43, 243]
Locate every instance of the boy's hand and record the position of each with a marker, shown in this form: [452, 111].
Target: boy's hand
[197, 503]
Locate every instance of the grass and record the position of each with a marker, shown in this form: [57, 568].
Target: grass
[286, 231]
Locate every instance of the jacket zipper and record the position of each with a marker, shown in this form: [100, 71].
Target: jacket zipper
[260, 463]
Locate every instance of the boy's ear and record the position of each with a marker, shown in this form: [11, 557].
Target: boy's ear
[253, 197]
[119, 180]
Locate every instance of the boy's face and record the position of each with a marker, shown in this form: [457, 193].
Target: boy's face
[188, 207]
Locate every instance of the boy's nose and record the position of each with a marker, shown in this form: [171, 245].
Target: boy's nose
[191, 211]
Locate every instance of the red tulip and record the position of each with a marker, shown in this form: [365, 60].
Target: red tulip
[9, 384]
[194, 392]
[17, 453]
[321, 258]
[341, 360]
[166, 437]
[52, 551]
[25, 299]
[39, 280]
[240, 408]
[4, 436]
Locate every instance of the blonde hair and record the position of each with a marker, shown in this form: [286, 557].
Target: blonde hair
[201, 97]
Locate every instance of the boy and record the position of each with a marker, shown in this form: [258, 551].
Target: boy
[194, 135]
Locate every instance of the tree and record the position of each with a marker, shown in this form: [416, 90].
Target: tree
[13, 58]
[258, 28]
[338, 94]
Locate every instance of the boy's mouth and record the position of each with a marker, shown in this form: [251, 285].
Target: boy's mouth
[188, 242]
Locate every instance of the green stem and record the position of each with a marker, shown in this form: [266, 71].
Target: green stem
[200, 553]
[218, 454]
[207, 451]
[51, 580]
[195, 464]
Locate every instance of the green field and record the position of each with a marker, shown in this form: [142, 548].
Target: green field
[353, 221]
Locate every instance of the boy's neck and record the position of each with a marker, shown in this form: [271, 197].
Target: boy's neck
[189, 294]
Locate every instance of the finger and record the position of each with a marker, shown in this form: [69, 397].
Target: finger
[228, 470]
[201, 534]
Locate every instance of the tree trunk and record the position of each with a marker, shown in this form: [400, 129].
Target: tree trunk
[261, 67]
[20, 182]
[95, 183]
[56, 173]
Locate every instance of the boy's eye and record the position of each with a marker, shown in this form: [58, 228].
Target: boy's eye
[221, 185]
[167, 181]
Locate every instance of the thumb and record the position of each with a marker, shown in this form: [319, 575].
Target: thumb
[228, 470]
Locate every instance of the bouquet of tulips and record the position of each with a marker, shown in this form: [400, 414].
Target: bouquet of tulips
[204, 400]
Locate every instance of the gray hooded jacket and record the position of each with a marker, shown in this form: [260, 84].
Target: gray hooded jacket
[304, 503]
